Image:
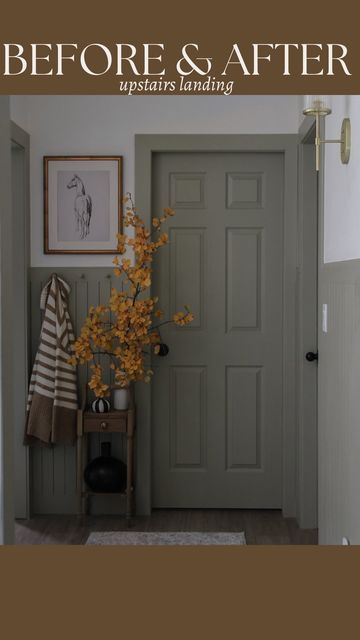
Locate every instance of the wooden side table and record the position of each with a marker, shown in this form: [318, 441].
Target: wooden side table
[88, 422]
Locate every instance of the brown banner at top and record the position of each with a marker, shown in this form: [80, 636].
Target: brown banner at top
[179, 48]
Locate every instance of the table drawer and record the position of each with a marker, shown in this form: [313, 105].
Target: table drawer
[104, 424]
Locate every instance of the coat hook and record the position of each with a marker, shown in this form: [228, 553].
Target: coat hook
[83, 277]
[108, 276]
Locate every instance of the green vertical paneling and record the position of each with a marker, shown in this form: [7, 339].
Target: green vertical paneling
[53, 481]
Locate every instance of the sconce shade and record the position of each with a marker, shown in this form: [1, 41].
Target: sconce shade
[317, 106]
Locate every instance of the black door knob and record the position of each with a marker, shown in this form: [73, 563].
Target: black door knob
[311, 356]
[163, 349]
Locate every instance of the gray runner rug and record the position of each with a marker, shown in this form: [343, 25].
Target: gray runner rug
[166, 538]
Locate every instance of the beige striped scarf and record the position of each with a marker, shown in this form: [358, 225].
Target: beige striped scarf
[52, 399]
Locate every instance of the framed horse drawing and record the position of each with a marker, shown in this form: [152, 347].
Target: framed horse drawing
[82, 203]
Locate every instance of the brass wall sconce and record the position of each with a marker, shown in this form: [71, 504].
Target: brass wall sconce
[317, 108]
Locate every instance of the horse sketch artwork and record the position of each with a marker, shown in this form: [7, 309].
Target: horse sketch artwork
[82, 206]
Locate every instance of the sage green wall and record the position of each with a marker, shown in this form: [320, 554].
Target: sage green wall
[339, 404]
[6, 329]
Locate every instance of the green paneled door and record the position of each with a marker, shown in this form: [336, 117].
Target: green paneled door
[217, 396]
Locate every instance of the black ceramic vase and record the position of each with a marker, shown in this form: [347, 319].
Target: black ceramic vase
[105, 473]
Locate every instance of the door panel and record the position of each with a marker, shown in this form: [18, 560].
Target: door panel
[243, 278]
[187, 272]
[217, 396]
[187, 422]
[243, 403]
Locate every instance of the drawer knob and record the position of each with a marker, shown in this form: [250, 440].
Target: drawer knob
[103, 425]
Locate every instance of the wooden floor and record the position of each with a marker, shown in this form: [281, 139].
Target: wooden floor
[260, 526]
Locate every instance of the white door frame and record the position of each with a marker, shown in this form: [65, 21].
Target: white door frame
[287, 144]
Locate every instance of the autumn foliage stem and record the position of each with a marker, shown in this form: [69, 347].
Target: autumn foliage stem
[133, 329]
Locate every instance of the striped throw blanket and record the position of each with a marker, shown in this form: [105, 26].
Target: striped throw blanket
[52, 399]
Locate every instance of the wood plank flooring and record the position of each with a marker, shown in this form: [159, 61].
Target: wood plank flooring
[260, 526]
